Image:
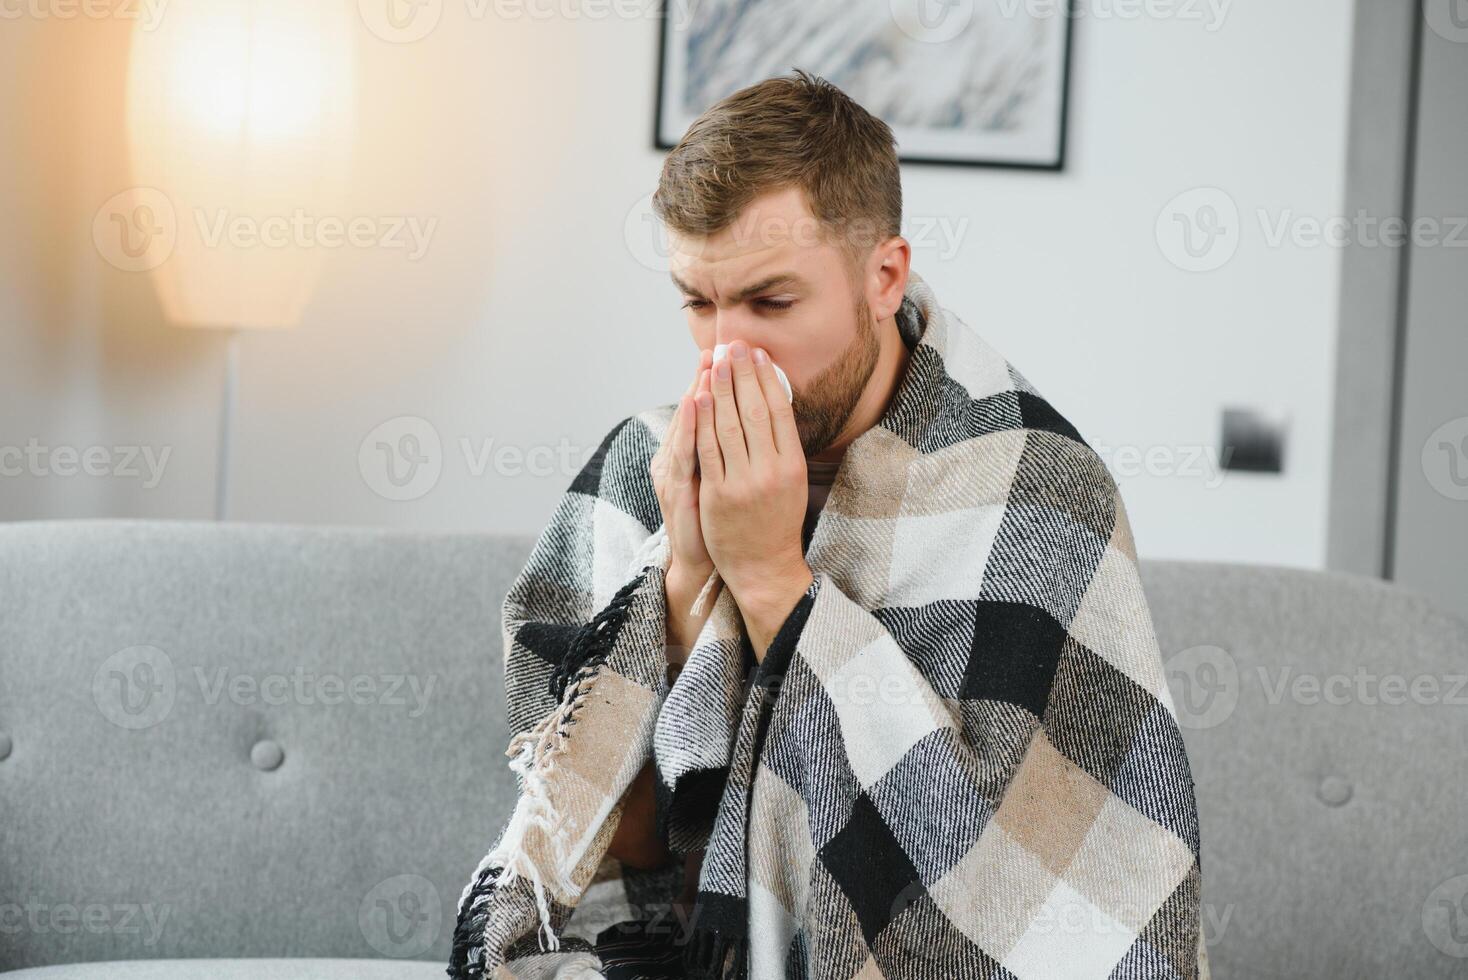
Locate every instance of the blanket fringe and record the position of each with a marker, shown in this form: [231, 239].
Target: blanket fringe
[532, 758]
[532, 762]
[707, 953]
[466, 957]
[705, 594]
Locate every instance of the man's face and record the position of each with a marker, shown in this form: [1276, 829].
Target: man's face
[772, 280]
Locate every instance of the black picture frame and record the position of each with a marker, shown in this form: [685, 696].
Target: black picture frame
[1062, 119]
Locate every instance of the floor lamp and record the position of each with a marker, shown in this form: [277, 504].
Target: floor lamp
[241, 118]
[229, 397]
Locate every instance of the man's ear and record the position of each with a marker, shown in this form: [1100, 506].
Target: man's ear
[888, 264]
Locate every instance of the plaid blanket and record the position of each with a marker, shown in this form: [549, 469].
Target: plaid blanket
[958, 758]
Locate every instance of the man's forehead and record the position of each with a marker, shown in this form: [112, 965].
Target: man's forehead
[775, 222]
[705, 255]
[736, 245]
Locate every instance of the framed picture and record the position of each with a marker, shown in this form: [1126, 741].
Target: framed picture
[967, 82]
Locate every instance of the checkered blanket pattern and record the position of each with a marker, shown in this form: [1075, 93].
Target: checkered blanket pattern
[958, 759]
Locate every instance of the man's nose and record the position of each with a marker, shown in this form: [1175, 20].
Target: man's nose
[729, 329]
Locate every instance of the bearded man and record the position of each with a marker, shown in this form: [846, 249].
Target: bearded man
[855, 682]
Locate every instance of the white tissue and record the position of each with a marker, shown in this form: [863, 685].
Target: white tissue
[722, 350]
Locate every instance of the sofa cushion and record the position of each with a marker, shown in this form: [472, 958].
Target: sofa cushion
[1325, 717]
[246, 741]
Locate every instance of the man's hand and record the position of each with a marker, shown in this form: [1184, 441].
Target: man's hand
[676, 481]
[752, 491]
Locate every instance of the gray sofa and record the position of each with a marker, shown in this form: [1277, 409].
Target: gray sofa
[279, 750]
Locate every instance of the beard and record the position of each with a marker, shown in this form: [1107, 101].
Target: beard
[823, 406]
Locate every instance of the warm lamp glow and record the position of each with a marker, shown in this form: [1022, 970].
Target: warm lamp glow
[240, 116]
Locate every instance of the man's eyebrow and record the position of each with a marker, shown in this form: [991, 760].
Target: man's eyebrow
[764, 285]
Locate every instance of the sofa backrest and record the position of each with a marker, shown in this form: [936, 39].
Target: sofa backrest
[255, 740]
[246, 740]
[1326, 721]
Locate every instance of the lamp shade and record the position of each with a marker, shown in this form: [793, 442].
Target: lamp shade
[240, 125]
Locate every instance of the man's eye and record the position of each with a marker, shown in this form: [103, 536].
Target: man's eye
[769, 304]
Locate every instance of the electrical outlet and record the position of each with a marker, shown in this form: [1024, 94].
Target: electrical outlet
[1253, 440]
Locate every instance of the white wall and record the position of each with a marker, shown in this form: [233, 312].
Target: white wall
[537, 318]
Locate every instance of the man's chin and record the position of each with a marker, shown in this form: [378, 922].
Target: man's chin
[812, 445]
[815, 437]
